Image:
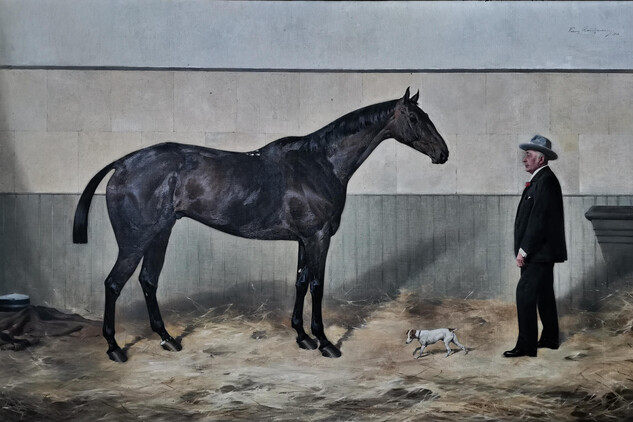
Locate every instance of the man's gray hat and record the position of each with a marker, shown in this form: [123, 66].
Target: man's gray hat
[541, 144]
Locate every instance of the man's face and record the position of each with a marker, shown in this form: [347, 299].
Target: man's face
[532, 161]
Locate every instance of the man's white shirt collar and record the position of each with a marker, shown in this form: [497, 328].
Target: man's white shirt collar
[537, 170]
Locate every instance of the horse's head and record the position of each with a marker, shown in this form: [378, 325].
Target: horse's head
[412, 126]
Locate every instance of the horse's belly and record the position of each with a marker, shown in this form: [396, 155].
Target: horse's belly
[249, 230]
[244, 220]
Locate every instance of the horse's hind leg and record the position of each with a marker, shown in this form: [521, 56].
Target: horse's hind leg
[150, 271]
[123, 269]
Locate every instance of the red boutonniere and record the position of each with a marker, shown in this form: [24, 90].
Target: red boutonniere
[527, 184]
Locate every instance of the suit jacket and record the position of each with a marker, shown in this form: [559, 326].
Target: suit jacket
[539, 226]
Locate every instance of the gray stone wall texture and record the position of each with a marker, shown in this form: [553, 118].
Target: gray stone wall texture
[118, 76]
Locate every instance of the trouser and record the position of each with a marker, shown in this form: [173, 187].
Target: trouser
[536, 291]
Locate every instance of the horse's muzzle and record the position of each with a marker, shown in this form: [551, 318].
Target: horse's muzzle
[440, 158]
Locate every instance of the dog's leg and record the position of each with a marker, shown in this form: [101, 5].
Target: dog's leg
[447, 343]
[416, 349]
[421, 351]
[460, 345]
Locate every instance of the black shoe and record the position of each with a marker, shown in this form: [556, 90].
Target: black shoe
[515, 353]
[548, 344]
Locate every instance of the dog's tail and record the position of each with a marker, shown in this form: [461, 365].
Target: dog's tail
[452, 330]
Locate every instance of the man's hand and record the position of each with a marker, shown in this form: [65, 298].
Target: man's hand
[520, 260]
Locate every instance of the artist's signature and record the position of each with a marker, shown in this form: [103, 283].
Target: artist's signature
[593, 31]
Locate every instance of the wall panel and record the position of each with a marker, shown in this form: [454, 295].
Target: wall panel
[443, 245]
[85, 127]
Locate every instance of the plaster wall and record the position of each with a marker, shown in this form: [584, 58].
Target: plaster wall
[317, 35]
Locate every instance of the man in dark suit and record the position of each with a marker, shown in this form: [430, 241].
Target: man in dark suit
[539, 242]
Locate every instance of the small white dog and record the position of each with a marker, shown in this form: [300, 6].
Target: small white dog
[427, 337]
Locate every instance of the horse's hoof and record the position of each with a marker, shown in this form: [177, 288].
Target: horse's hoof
[171, 345]
[330, 351]
[307, 343]
[117, 355]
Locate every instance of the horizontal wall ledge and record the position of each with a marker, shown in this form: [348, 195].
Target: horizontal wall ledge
[316, 71]
[317, 35]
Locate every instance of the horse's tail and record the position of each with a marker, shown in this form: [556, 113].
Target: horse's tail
[80, 225]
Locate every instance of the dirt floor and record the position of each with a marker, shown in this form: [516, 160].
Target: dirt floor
[238, 365]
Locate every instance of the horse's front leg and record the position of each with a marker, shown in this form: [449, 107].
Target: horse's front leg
[316, 260]
[303, 340]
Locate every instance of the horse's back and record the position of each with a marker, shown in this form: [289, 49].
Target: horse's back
[161, 159]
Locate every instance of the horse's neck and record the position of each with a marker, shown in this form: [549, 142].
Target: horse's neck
[352, 150]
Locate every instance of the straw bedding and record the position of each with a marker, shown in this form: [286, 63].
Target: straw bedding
[240, 364]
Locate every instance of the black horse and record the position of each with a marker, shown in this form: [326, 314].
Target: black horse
[291, 189]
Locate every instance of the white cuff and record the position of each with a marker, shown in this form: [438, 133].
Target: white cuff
[522, 252]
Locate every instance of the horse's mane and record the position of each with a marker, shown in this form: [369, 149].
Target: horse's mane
[344, 126]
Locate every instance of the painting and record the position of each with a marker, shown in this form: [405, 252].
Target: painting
[409, 245]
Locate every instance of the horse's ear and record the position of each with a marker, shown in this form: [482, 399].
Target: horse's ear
[406, 95]
[414, 99]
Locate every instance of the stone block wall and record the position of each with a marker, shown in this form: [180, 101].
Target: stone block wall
[58, 127]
